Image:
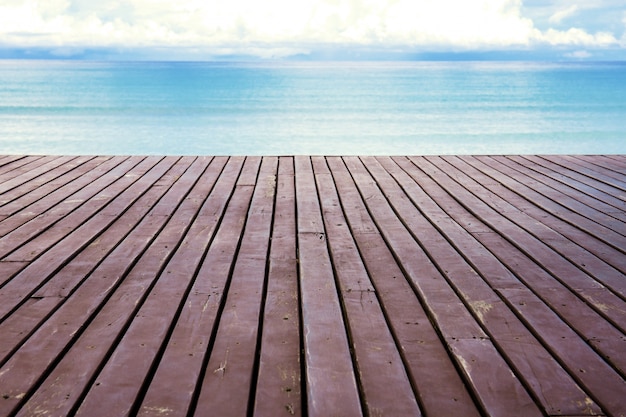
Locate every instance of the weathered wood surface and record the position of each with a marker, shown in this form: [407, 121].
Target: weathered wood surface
[313, 286]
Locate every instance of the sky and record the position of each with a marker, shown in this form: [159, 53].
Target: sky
[314, 29]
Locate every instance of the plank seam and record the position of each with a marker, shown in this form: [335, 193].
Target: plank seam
[379, 298]
[433, 320]
[209, 348]
[39, 381]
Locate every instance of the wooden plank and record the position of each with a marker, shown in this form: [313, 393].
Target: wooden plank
[13, 186]
[590, 208]
[591, 170]
[25, 319]
[588, 195]
[440, 389]
[589, 220]
[8, 269]
[474, 352]
[36, 192]
[33, 220]
[482, 173]
[471, 282]
[595, 329]
[574, 310]
[331, 387]
[21, 165]
[27, 172]
[588, 323]
[385, 386]
[273, 286]
[18, 237]
[568, 273]
[184, 355]
[578, 182]
[34, 183]
[77, 369]
[151, 324]
[113, 196]
[604, 385]
[278, 383]
[594, 163]
[29, 279]
[8, 160]
[20, 374]
[518, 210]
[615, 162]
[121, 284]
[561, 339]
[227, 385]
[551, 258]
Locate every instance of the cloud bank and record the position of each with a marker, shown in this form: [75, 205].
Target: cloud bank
[287, 27]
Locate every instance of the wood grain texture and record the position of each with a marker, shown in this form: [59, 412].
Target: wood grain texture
[313, 286]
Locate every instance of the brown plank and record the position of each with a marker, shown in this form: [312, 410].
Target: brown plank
[474, 352]
[594, 162]
[184, 355]
[29, 206]
[22, 165]
[592, 170]
[16, 239]
[113, 197]
[22, 322]
[577, 313]
[331, 386]
[576, 202]
[588, 220]
[440, 389]
[37, 191]
[567, 346]
[472, 283]
[29, 279]
[517, 209]
[615, 162]
[28, 172]
[273, 286]
[279, 379]
[33, 220]
[53, 174]
[62, 391]
[567, 272]
[8, 269]
[385, 387]
[8, 160]
[578, 182]
[25, 319]
[485, 176]
[57, 334]
[604, 384]
[35, 175]
[227, 384]
[157, 311]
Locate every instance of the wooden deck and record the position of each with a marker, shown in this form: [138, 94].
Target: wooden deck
[313, 286]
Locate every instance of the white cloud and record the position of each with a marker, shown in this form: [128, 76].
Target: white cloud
[578, 37]
[280, 27]
[561, 15]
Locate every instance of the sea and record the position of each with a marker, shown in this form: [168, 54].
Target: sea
[313, 108]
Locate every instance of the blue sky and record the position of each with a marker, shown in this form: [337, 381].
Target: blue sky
[314, 29]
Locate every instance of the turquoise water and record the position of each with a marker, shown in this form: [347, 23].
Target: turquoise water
[69, 107]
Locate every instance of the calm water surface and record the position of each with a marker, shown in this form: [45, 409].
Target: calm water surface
[69, 107]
